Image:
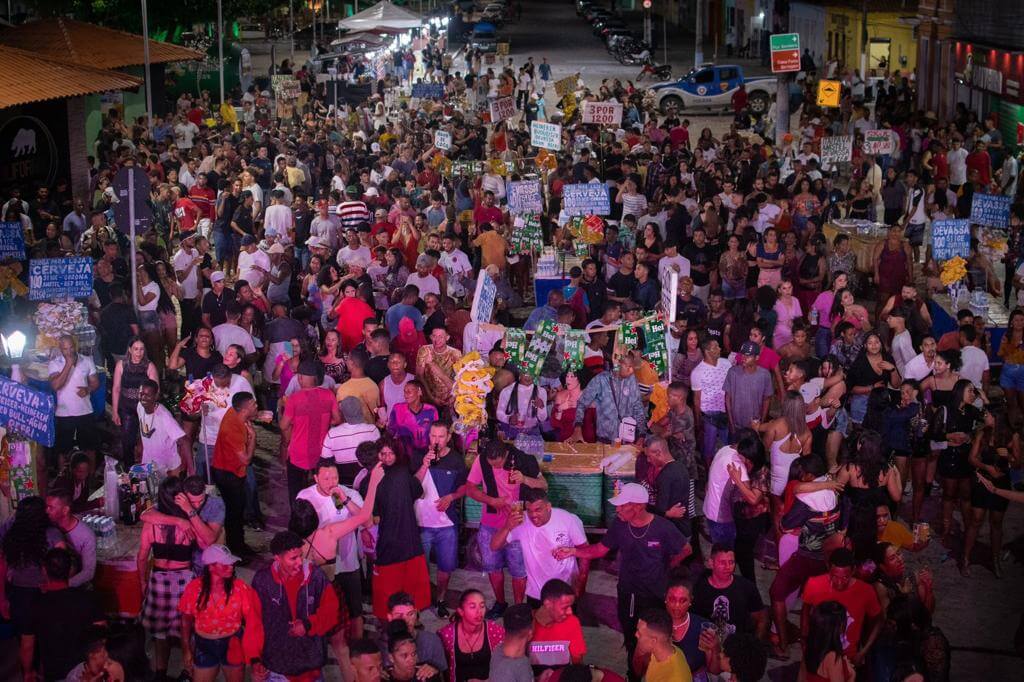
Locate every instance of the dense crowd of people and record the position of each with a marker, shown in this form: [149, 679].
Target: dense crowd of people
[319, 271]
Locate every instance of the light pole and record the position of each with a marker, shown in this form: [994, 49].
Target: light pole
[145, 68]
[220, 46]
[698, 34]
[291, 28]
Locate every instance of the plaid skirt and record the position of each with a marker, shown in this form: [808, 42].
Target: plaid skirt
[160, 614]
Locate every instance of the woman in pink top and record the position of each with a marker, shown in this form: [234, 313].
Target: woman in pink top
[821, 314]
[787, 307]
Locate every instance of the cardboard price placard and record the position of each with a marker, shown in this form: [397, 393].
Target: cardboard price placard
[879, 142]
[602, 113]
[442, 140]
[546, 135]
[502, 108]
[836, 149]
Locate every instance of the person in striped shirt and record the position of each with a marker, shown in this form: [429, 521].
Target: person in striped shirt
[352, 211]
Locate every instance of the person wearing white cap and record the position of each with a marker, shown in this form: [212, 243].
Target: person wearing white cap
[649, 546]
[422, 277]
[280, 275]
[221, 627]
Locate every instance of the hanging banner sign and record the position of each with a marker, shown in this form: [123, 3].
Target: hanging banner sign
[59, 278]
[12, 241]
[589, 198]
[428, 90]
[27, 411]
[540, 345]
[524, 197]
[515, 345]
[951, 238]
[602, 113]
[992, 210]
[546, 135]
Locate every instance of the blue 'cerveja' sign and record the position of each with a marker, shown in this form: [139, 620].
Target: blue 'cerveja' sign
[59, 278]
[12, 241]
[586, 199]
[992, 210]
[951, 238]
[27, 411]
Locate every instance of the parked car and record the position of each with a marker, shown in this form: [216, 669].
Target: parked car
[710, 87]
[485, 41]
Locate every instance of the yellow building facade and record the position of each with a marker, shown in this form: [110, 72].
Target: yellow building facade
[892, 43]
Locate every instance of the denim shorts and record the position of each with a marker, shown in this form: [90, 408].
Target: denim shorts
[227, 245]
[510, 556]
[214, 653]
[721, 533]
[914, 232]
[858, 407]
[445, 543]
[1012, 377]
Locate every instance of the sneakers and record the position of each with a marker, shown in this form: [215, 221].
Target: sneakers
[496, 611]
[441, 610]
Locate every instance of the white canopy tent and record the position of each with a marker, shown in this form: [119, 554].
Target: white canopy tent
[383, 15]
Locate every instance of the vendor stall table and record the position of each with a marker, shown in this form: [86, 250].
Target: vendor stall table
[862, 242]
[944, 320]
[577, 482]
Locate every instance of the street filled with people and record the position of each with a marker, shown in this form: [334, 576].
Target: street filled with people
[362, 339]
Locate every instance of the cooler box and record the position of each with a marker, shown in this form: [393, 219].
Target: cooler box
[117, 585]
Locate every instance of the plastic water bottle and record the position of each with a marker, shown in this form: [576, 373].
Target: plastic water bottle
[111, 507]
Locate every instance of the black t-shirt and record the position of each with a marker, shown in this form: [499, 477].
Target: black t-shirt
[377, 368]
[645, 554]
[399, 533]
[674, 488]
[216, 306]
[622, 286]
[196, 366]
[115, 327]
[700, 255]
[243, 218]
[736, 603]
[59, 620]
[230, 204]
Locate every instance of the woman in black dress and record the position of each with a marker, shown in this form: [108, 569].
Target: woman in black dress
[993, 452]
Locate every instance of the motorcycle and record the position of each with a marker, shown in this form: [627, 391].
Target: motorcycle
[654, 71]
[630, 52]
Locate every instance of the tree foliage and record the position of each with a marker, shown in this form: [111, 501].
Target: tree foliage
[126, 15]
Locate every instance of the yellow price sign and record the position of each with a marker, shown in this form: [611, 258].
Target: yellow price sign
[828, 93]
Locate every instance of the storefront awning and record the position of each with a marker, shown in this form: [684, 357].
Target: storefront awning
[28, 77]
[92, 45]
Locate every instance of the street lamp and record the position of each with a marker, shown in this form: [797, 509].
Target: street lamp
[14, 348]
